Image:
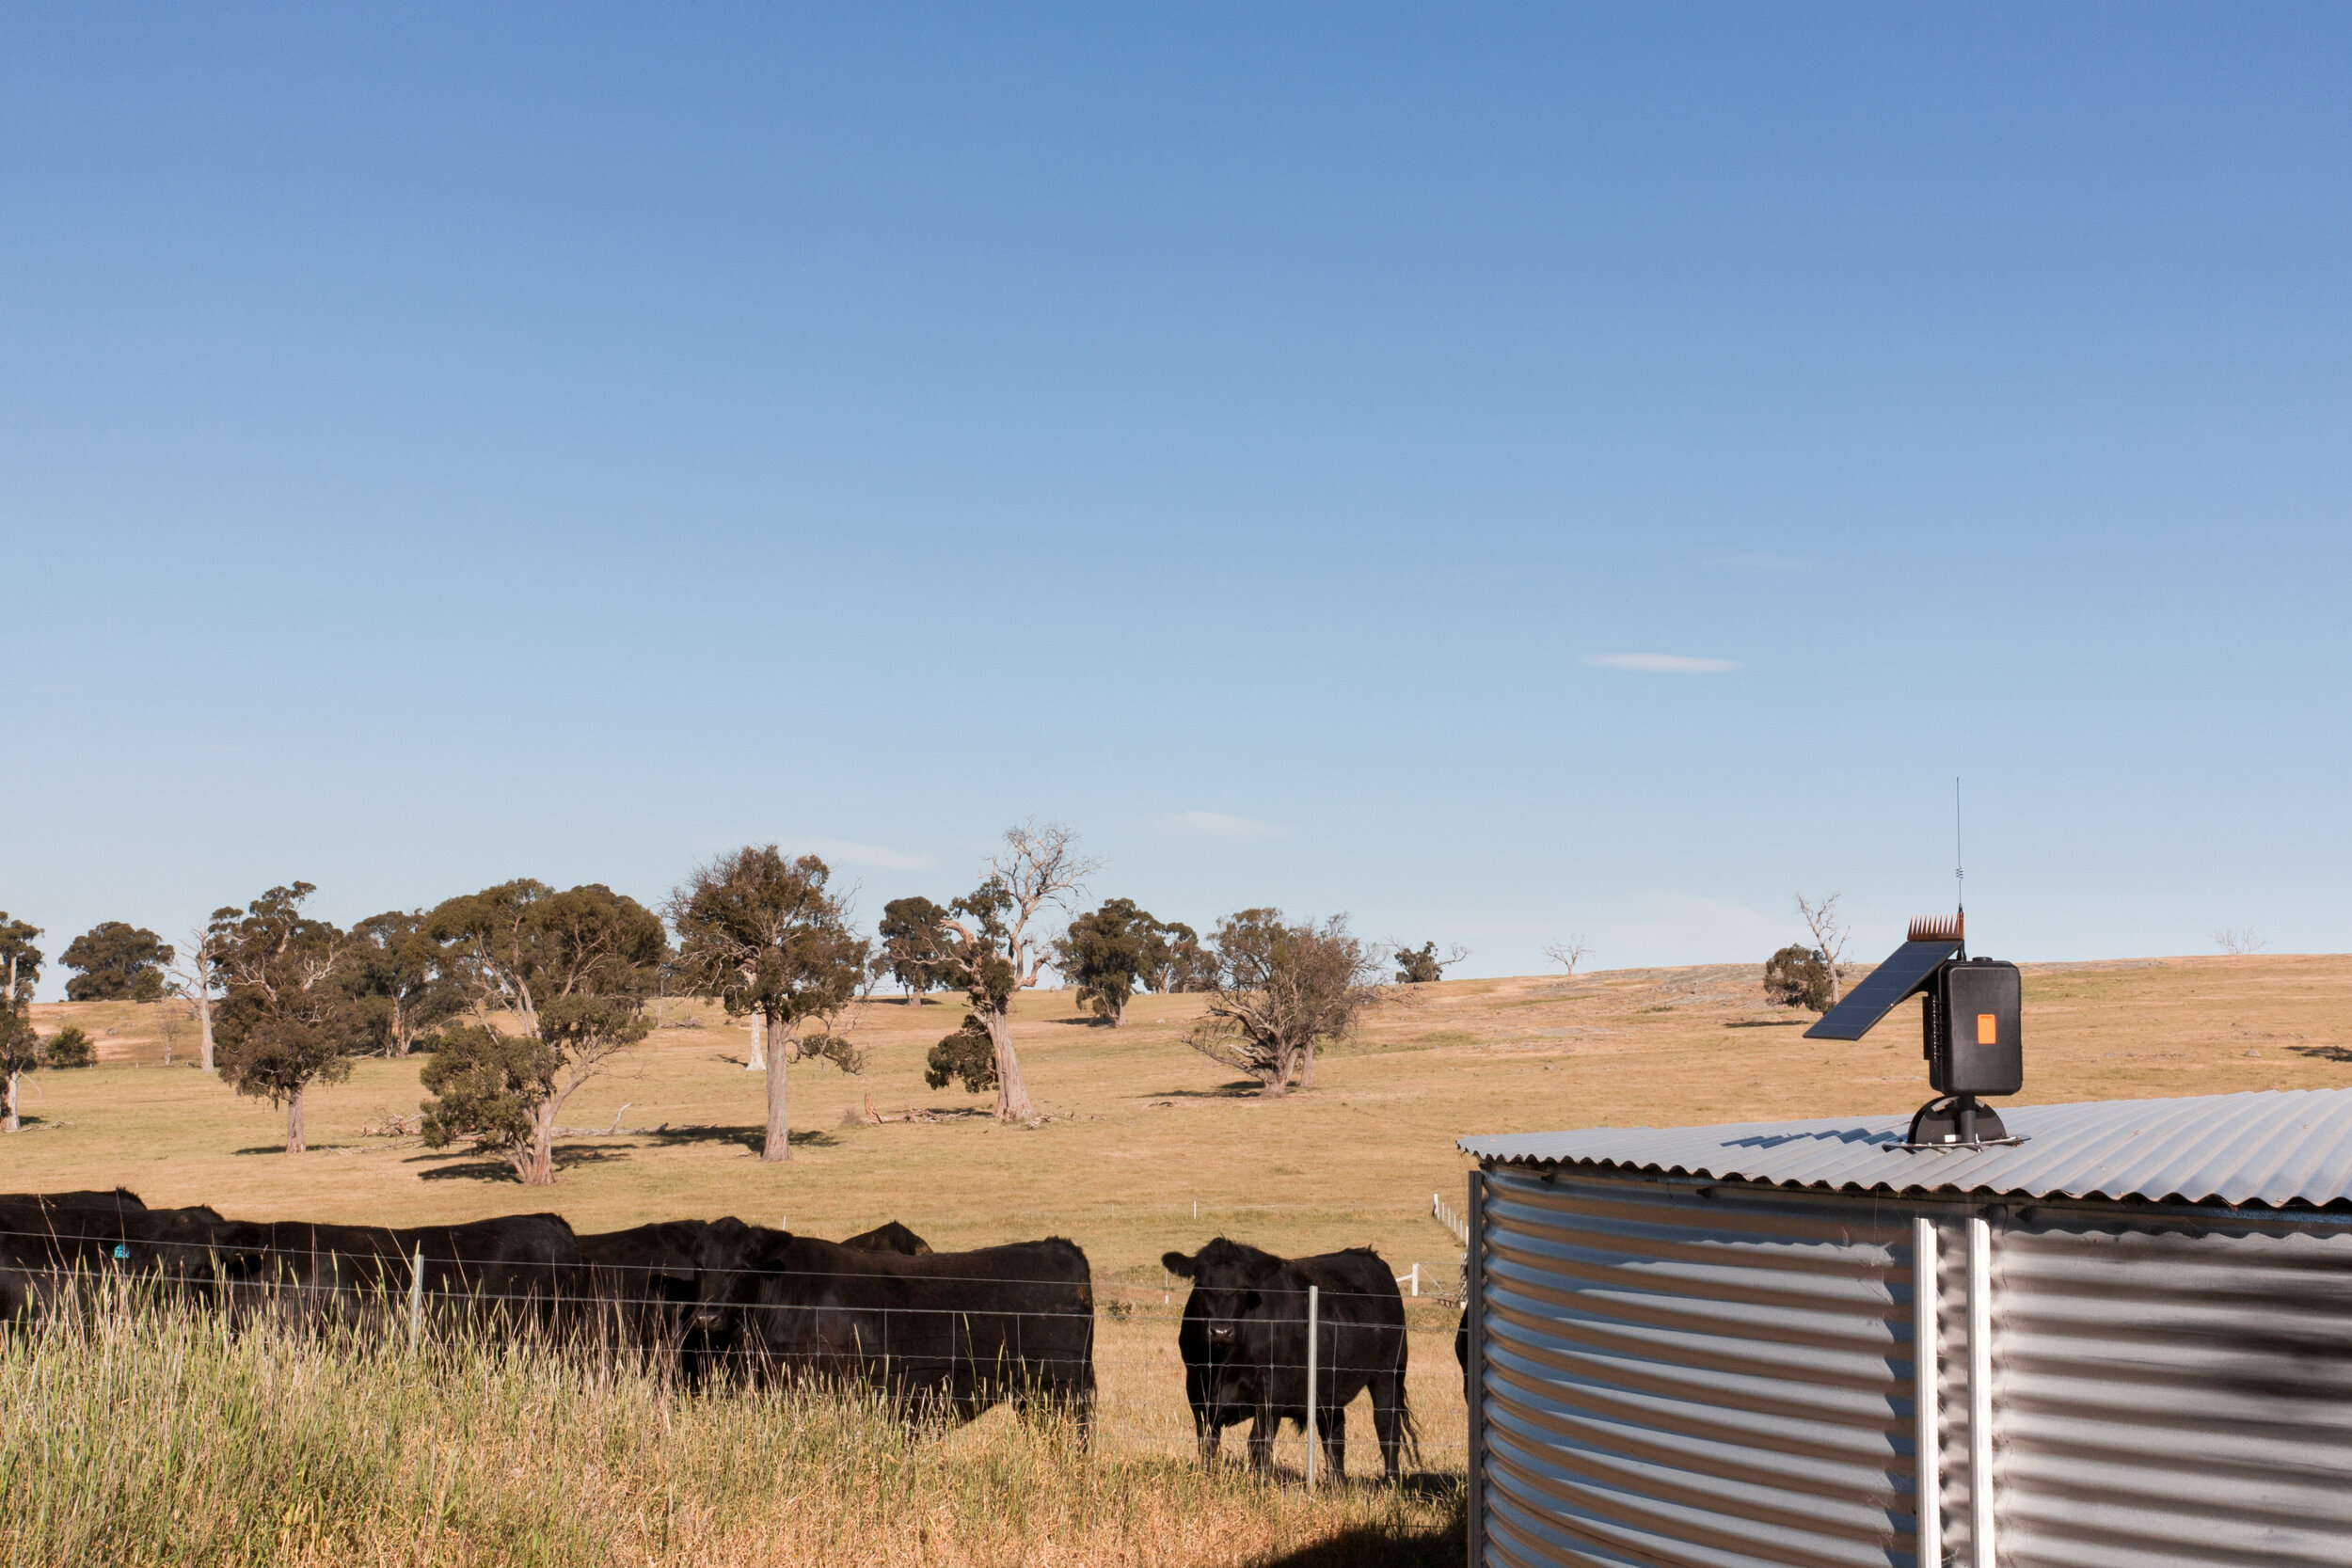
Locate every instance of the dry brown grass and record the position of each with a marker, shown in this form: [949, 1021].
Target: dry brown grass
[1142, 1129]
[153, 1440]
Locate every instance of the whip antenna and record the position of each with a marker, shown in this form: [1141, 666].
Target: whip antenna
[1959, 871]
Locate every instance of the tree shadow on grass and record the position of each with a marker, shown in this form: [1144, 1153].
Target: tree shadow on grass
[680, 1138]
[1245, 1088]
[2324, 1052]
[1767, 1023]
[280, 1148]
[463, 1166]
[753, 1138]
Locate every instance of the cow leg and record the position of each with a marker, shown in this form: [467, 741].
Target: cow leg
[1262, 1427]
[1387, 1420]
[1076, 1398]
[1206, 1434]
[1334, 1434]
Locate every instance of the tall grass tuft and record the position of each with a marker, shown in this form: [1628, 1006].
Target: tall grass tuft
[158, 1436]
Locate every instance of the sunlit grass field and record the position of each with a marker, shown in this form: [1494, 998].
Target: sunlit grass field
[158, 1438]
[1147, 1146]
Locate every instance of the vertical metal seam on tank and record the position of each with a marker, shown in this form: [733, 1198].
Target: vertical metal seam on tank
[1980, 1484]
[1926, 1405]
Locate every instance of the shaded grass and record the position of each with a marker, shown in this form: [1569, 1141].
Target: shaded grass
[162, 1438]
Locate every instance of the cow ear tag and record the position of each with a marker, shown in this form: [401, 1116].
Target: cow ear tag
[121, 1251]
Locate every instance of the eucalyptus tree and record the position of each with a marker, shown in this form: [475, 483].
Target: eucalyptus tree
[768, 938]
[557, 984]
[116, 961]
[1422, 966]
[286, 1019]
[910, 953]
[990, 946]
[1279, 989]
[19, 1047]
[1178, 963]
[398, 977]
[1109, 951]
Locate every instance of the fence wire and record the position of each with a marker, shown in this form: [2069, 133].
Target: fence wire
[544, 1302]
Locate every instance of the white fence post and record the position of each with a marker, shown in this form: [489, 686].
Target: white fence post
[1313, 1304]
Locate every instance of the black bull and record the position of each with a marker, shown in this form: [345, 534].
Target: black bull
[1244, 1342]
[939, 1335]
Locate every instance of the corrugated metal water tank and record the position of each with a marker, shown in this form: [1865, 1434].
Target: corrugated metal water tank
[2130, 1339]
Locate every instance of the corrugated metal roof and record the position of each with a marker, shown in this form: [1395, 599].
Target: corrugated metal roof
[2272, 1149]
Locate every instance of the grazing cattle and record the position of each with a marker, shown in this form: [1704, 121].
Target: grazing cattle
[942, 1337]
[505, 1272]
[892, 1237]
[50, 1243]
[1461, 1352]
[644, 1287]
[1244, 1339]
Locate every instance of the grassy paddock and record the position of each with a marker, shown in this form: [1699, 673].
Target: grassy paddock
[160, 1438]
[175, 1447]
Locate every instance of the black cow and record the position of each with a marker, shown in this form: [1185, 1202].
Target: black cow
[643, 1288]
[942, 1337]
[1244, 1339]
[1222, 1390]
[892, 1237]
[51, 1244]
[122, 1197]
[505, 1273]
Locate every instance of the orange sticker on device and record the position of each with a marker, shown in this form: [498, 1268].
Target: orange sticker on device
[1988, 1029]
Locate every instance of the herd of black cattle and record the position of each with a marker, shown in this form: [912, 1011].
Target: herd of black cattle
[936, 1336]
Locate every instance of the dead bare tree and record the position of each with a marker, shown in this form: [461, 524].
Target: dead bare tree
[194, 975]
[1829, 938]
[1569, 954]
[2239, 941]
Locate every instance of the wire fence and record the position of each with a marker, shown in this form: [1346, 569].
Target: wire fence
[967, 1342]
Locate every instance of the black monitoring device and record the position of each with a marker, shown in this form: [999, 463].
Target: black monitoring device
[1968, 1024]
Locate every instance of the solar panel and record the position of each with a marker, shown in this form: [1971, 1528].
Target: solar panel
[1903, 972]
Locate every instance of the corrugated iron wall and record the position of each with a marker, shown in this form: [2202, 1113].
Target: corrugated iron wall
[1678, 1379]
[1678, 1373]
[2172, 1396]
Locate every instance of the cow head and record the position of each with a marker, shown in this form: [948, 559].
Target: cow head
[1230, 1283]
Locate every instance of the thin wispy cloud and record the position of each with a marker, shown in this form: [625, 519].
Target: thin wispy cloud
[1217, 827]
[843, 851]
[1663, 664]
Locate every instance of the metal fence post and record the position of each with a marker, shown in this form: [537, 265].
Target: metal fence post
[1314, 1303]
[1474, 1295]
[1928, 1430]
[416, 1297]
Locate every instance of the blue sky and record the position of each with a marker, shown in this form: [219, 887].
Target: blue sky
[444, 444]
